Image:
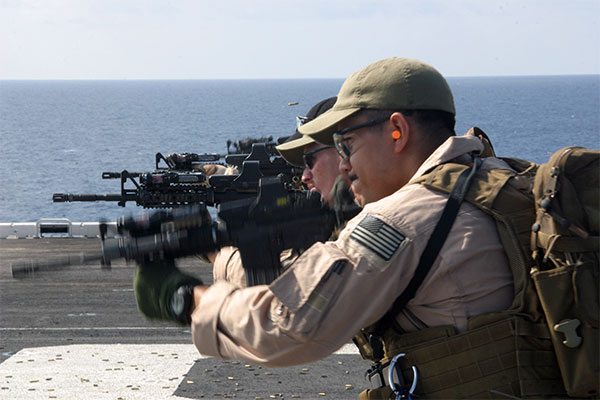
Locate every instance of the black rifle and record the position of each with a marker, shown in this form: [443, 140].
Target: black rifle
[237, 151]
[186, 161]
[270, 165]
[167, 187]
[244, 146]
[260, 227]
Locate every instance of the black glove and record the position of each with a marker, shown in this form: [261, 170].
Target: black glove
[155, 284]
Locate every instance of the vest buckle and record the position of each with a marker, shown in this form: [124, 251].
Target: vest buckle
[376, 376]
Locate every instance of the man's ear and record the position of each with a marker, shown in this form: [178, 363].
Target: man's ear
[401, 131]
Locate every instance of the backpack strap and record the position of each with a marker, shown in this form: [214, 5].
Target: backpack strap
[432, 249]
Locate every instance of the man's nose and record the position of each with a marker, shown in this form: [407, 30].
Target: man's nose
[345, 167]
[306, 175]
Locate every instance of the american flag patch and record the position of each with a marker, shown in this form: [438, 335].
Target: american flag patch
[377, 236]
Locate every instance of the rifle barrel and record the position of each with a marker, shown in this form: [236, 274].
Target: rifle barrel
[68, 197]
[206, 157]
[118, 175]
[25, 270]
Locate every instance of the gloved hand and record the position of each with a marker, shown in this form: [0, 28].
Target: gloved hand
[155, 283]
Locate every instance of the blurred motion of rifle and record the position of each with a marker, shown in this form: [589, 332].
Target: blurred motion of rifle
[261, 227]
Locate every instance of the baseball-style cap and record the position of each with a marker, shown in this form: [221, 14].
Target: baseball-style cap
[292, 149]
[389, 84]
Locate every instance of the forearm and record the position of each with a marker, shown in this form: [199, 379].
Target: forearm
[276, 325]
[220, 330]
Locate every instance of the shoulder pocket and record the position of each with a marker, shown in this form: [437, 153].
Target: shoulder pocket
[308, 288]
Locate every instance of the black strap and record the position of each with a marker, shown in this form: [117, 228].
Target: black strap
[434, 245]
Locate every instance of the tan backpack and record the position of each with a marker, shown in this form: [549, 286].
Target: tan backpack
[565, 243]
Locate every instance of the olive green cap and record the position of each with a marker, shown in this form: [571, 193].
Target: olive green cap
[389, 84]
[292, 150]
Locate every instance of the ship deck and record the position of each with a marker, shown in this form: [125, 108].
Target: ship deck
[77, 333]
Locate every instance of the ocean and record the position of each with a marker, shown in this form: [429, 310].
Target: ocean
[59, 136]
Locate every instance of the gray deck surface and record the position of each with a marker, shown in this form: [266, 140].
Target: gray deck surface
[86, 304]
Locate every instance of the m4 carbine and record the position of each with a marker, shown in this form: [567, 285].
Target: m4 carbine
[261, 227]
[263, 149]
[173, 186]
[244, 146]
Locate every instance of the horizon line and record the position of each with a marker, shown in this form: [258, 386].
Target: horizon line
[273, 79]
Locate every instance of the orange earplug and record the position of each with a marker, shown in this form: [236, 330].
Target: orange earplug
[396, 135]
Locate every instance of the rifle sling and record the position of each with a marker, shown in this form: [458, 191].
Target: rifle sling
[434, 245]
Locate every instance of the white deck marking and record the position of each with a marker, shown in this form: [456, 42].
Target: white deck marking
[97, 371]
[101, 371]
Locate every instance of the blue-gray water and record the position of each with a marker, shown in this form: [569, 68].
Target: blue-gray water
[58, 136]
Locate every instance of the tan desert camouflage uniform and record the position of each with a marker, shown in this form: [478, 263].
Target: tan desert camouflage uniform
[335, 288]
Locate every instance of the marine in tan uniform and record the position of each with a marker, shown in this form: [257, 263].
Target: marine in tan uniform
[320, 162]
[321, 169]
[394, 121]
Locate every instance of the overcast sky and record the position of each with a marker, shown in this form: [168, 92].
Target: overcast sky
[198, 39]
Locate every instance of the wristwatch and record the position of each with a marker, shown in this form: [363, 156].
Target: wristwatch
[181, 302]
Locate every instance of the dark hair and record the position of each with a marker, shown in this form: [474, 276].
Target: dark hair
[434, 125]
[429, 120]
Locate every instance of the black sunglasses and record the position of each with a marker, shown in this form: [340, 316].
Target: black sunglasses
[309, 156]
[340, 137]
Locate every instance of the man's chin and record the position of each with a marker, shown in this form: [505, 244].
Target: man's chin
[359, 202]
[358, 198]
